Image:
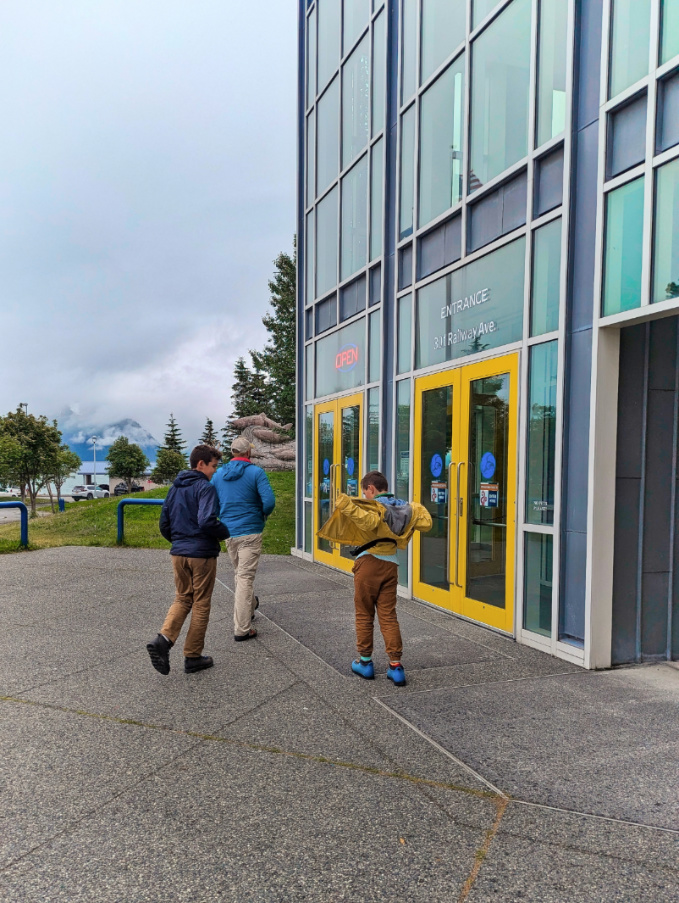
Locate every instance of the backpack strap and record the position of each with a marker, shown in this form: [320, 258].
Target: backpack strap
[358, 550]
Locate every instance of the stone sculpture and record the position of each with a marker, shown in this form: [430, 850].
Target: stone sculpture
[272, 448]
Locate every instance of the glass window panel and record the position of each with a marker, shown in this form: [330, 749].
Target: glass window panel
[309, 258]
[326, 243]
[405, 330]
[499, 96]
[477, 307]
[308, 451]
[308, 528]
[379, 74]
[309, 371]
[666, 242]
[551, 112]
[327, 139]
[436, 442]
[374, 360]
[408, 48]
[626, 137]
[356, 15]
[311, 58]
[548, 181]
[622, 257]
[481, 8]
[375, 290]
[310, 158]
[537, 600]
[355, 219]
[489, 419]
[376, 192]
[545, 283]
[667, 124]
[541, 434]
[669, 44]
[441, 112]
[328, 39]
[443, 29]
[405, 267]
[341, 359]
[402, 464]
[355, 105]
[352, 298]
[407, 172]
[373, 462]
[630, 38]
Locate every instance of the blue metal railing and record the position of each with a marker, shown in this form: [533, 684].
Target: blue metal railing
[24, 518]
[121, 512]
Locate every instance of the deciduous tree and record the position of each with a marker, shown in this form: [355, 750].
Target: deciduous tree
[127, 460]
[37, 442]
[168, 464]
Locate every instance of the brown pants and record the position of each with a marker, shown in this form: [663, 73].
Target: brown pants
[375, 584]
[194, 579]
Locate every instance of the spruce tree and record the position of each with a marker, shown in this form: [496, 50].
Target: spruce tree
[240, 396]
[277, 360]
[173, 440]
[228, 435]
[209, 436]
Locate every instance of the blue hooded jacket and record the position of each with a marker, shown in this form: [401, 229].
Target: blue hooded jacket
[189, 518]
[245, 495]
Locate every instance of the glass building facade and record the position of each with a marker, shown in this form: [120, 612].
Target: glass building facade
[486, 215]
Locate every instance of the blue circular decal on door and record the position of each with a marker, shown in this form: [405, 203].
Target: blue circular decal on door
[488, 465]
[326, 467]
[436, 465]
[350, 466]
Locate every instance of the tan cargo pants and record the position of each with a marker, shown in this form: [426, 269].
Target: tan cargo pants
[375, 583]
[194, 580]
[244, 552]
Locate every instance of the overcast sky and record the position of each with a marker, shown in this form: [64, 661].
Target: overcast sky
[147, 181]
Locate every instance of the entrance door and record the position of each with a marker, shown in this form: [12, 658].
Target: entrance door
[465, 475]
[338, 437]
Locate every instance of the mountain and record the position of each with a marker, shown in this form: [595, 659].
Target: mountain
[78, 438]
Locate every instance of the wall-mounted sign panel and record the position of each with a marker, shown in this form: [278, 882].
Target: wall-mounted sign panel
[473, 309]
[340, 360]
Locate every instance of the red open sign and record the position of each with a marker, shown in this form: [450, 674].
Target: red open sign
[346, 358]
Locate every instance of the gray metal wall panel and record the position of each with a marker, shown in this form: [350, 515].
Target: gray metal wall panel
[627, 500]
[654, 616]
[389, 276]
[577, 415]
[631, 389]
[658, 483]
[580, 309]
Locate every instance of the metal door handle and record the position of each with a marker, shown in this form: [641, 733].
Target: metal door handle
[460, 509]
[450, 496]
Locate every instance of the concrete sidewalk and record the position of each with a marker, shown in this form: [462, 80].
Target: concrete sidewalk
[497, 774]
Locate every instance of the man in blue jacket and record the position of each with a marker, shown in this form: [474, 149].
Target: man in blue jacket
[246, 499]
[189, 520]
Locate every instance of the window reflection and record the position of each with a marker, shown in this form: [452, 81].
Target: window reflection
[630, 38]
[666, 245]
[623, 251]
[540, 455]
[551, 111]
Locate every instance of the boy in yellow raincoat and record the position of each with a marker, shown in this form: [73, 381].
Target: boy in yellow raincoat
[377, 527]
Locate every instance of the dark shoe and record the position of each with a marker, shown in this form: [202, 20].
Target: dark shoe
[256, 607]
[365, 670]
[159, 652]
[191, 665]
[397, 674]
[246, 636]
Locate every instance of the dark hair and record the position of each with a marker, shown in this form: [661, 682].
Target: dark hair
[376, 479]
[204, 453]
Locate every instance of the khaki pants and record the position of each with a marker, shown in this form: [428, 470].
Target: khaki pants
[375, 583]
[244, 552]
[194, 579]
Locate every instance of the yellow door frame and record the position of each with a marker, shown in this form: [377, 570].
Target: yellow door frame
[457, 477]
[336, 406]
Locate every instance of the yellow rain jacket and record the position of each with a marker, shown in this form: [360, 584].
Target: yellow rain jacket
[355, 522]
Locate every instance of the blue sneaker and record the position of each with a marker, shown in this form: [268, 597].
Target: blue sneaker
[363, 669]
[397, 674]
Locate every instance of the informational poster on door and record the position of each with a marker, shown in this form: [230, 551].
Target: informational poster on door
[488, 495]
[439, 493]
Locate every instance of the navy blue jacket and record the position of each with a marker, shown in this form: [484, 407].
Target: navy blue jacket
[246, 498]
[189, 518]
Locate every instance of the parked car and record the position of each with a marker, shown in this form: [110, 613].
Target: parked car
[88, 492]
[10, 490]
[121, 489]
[104, 486]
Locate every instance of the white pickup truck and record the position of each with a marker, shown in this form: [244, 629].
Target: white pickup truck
[88, 492]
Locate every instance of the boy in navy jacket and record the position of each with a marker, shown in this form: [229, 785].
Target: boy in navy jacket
[189, 520]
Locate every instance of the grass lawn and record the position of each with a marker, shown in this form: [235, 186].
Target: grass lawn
[94, 523]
